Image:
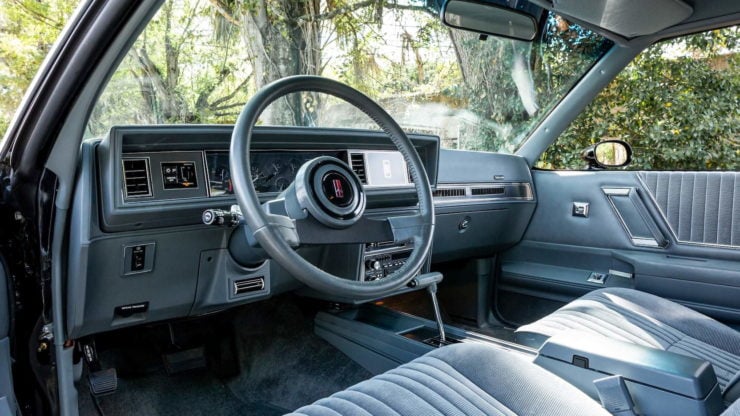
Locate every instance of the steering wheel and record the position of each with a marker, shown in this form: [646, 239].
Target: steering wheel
[325, 204]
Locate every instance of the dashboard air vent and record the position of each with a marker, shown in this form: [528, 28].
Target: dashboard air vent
[136, 178]
[254, 284]
[449, 192]
[357, 162]
[493, 190]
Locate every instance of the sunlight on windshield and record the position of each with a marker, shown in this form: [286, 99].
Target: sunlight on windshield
[196, 63]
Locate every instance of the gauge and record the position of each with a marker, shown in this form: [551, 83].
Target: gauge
[256, 174]
[281, 184]
[276, 167]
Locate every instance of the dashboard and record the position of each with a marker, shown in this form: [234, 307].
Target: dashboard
[186, 169]
[139, 252]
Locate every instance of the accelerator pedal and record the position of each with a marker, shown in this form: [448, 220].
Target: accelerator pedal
[103, 382]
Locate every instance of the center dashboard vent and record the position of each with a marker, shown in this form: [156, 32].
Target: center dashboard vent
[357, 163]
[484, 192]
[449, 192]
[136, 178]
[491, 190]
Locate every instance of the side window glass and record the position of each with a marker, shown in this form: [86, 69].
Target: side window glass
[677, 104]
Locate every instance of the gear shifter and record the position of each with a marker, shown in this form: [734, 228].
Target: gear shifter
[432, 289]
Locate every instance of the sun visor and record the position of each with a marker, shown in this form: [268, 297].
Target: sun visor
[628, 18]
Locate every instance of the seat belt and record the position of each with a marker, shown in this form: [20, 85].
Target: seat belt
[615, 397]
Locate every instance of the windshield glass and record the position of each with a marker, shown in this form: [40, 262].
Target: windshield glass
[198, 62]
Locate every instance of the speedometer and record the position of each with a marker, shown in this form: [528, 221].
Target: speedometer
[272, 171]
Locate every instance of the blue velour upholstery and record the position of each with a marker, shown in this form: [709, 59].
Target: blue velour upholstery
[461, 379]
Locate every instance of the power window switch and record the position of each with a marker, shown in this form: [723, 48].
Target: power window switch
[580, 209]
[598, 278]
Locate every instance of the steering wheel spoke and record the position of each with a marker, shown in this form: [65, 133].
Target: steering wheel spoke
[365, 230]
[407, 227]
[286, 227]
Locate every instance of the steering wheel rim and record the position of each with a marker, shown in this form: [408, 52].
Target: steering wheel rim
[269, 235]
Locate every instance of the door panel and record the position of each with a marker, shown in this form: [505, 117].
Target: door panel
[7, 398]
[670, 233]
[701, 208]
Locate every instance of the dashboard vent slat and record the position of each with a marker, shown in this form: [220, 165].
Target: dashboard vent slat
[357, 163]
[136, 178]
[493, 190]
[249, 285]
[449, 192]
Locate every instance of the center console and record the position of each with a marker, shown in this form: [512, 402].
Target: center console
[624, 375]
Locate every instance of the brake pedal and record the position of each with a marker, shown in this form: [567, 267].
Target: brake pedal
[101, 381]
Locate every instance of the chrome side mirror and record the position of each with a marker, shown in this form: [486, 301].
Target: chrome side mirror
[608, 154]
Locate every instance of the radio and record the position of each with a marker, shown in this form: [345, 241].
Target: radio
[382, 259]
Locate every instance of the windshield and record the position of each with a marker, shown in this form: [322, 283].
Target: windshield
[198, 62]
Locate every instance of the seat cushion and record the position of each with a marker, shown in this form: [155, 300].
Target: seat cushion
[461, 379]
[644, 319]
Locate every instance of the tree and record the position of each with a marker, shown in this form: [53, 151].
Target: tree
[184, 73]
[28, 29]
[677, 104]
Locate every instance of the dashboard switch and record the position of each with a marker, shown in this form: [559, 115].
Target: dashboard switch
[138, 258]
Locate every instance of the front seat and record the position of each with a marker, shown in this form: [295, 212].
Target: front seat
[647, 320]
[462, 379]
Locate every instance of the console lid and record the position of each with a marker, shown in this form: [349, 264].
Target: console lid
[660, 382]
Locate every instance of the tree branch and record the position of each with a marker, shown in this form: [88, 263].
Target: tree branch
[357, 6]
[228, 106]
[233, 93]
[38, 16]
[186, 29]
[223, 10]
[336, 12]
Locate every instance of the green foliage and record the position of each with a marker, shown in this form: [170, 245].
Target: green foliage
[179, 70]
[677, 104]
[28, 29]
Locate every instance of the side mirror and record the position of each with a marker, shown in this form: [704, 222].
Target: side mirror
[608, 154]
[489, 19]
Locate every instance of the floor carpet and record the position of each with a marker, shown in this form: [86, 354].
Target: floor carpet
[283, 365]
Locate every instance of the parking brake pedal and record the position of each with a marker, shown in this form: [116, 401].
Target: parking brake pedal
[102, 381]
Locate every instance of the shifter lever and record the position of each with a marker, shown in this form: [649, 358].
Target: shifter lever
[220, 217]
[432, 289]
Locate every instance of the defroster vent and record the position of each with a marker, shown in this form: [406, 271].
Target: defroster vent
[136, 178]
[357, 162]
